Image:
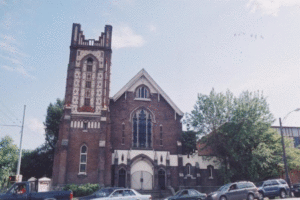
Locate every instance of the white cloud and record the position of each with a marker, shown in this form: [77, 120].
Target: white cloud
[13, 60]
[19, 68]
[270, 7]
[8, 38]
[152, 28]
[36, 126]
[13, 55]
[125, 37]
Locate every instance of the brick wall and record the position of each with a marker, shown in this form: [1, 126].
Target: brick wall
[164, 115]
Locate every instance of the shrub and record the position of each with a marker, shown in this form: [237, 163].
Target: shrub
[82, 190]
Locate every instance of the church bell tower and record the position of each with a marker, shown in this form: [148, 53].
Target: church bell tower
[83, 148]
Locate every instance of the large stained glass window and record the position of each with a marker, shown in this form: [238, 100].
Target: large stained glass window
[142, 129]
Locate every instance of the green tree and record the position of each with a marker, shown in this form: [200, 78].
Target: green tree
[39, 162]
[189, 141]
[237, 130]
[53, 118]
[8, 159]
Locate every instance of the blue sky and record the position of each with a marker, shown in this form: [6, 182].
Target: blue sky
[188, 47]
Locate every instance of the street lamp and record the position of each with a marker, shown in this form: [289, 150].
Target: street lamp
[283, 148]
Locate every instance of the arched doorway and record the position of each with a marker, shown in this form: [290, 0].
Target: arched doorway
[142, 175]
[162, 179]
[122, 178]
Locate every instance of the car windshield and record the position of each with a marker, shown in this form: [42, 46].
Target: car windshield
[224, 187]
[104, 192]
[259, 184]
[177, 193]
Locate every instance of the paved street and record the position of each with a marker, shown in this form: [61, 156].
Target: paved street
[293, 198]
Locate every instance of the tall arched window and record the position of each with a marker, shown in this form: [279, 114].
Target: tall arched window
[83, 159]
[188, 169]
[142, 92]
[210, 171]
[142, 129]
[160, 135]
[89, 69]
[89, 66]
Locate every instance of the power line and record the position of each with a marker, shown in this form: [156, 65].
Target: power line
[9, 125]
[10, 112]
[7, 116]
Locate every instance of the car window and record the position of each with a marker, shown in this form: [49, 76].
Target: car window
[282, 181]
[242, 185]
[267, 183]
[18, 189]
[128, 193]
[250, 185]
[118, 193]
[224, 187]
[193, 193]
[274, 183]
[233, 187]
[184, 193]
[14, 190]
[104, 192]
[198, 193]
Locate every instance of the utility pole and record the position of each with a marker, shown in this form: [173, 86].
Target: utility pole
[284, 156]
[20, 155]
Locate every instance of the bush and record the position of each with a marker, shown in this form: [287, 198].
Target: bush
[82, 190]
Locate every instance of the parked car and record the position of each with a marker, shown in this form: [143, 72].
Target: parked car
[272, 188]
[235, 191]
[187, 194]
[116, 194]
[296, 189]
[25, 191]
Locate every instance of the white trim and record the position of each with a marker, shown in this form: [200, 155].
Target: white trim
[142, 99]
[153, 83]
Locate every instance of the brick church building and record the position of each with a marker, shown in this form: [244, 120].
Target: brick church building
[132, 139]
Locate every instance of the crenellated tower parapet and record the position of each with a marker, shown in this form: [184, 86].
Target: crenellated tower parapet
[78, 38]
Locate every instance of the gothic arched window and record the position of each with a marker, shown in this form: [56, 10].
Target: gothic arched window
[188, 169]
[142, 129]
[142, 92]
[83, 159]
[89, 66]
[210, 171]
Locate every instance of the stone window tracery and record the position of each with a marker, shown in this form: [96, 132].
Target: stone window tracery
[83, 159]
[142, 92]
[142, 129]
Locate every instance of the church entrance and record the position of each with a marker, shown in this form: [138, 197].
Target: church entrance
[162, 179]
[122, 177]
[142, 175]
[141, 180]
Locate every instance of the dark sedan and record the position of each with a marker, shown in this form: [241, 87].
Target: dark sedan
[187, 194]
[296, 189]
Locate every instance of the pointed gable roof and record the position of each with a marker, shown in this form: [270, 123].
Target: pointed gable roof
[154, 88]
